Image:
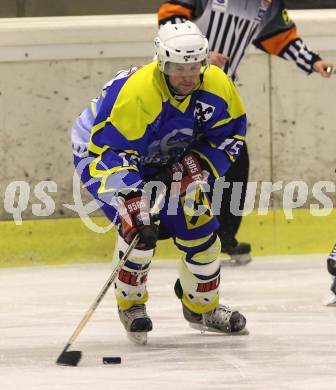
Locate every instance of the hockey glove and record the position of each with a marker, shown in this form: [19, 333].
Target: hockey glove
[135, 219]
[188, 170]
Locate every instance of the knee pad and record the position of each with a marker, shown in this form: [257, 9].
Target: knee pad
[203, 261]
[200, 276]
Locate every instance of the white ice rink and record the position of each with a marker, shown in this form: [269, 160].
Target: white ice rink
[291, 343]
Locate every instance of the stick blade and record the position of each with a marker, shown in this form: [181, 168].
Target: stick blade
[70, 358]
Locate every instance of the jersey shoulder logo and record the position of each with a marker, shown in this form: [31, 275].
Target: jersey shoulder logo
[203, 111]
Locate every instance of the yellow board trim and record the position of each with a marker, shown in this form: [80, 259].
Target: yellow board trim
[69, 241]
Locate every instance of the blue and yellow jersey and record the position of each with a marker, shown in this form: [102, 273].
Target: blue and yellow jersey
[136, 126]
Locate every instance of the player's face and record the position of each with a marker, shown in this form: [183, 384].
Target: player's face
[184, 77]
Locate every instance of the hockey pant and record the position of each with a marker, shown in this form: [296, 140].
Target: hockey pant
[199, 267]
[229, 222]
[194, 233]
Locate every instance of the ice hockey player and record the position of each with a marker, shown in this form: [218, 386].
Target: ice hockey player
[177, 116]
[231, 26]
[331, 265]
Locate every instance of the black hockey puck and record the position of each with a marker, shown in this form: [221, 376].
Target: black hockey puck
[111, 360]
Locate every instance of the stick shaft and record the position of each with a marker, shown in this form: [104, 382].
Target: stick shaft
[102, 293]
[108, 283]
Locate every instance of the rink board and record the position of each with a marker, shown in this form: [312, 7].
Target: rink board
[66, 241]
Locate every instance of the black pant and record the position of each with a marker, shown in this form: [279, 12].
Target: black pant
[238, 172]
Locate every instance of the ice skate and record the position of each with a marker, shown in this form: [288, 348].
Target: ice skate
[239, 253]
[137, 323]
[331, 299]
[331, 264]
[220, 320]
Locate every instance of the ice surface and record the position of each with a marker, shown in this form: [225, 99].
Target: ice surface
[291, 343]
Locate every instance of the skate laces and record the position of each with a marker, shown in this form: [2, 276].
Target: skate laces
[219, 316]
[136, 311]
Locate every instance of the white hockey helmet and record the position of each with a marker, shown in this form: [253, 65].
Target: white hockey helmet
[181, 43]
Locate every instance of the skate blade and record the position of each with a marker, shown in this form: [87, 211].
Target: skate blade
[237, 260]
[203, 329]
[139, 338]
[330, 301]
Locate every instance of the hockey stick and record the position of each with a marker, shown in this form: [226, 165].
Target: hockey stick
[72, 358]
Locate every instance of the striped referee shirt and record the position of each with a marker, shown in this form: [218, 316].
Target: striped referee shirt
[232, 25]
